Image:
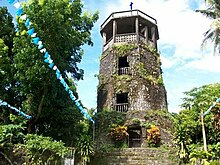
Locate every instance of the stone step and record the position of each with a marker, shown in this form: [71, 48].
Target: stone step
[139, 154]
[136, 156]
[138, 151]
[146, 157]
[143, 163]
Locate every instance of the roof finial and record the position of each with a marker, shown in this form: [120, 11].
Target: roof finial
[131, 5]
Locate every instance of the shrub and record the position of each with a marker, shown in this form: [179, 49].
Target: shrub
[153, 136]
[119, 133]
[39, 149]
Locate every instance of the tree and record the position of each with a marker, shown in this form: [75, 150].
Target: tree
[7, 83]
[85, 144]
[188, 131]
[28, 83]
[213, 12]
[63, 29]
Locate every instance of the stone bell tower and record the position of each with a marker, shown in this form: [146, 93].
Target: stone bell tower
[130, 75]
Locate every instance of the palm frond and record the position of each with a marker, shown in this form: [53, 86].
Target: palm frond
[207, 13]
[213, 34]
[217, 3]
[209, 35]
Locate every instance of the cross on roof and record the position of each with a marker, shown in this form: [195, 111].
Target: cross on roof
[131, 4]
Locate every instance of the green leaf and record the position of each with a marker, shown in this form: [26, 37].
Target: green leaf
[41, 2]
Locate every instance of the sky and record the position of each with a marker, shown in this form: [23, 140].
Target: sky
[185, 65]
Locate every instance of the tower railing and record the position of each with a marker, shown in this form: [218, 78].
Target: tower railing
[121, 107]
[124, 70]
[127, 38]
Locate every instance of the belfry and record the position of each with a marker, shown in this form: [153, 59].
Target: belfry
[130, 75]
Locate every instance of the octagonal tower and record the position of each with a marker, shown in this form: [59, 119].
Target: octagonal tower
[130, 75]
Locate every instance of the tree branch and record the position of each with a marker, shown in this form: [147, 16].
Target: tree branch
[5, 156]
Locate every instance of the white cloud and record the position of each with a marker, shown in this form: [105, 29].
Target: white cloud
[208, 63]
[167, 63]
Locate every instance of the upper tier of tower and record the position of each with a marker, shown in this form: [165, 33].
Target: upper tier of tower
[129, 26]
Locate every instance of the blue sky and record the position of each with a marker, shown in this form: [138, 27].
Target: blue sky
[181, 29]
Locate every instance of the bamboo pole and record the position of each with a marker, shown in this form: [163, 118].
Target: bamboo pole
[203, 131]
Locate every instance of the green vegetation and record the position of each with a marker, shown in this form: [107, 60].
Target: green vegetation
[31, 148]
[102, 80]
[38, 149]
[151, 49]
[150, 77]
[136, 121]
[158, 113]
[147, 125]
[124, 49]
[85, 148]
[109, 118]
[120, 50]
[163, 118]
[121, 83]
[187, 125]
[119, 135]
[29, 84]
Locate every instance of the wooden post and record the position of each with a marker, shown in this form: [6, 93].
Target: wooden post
[104, 38]
[146, 34]
[153, 33]
[137, 29]
[203, 132]
[114, 30]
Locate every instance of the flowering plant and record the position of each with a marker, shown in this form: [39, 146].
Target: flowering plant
[118, 133]
[153, 135]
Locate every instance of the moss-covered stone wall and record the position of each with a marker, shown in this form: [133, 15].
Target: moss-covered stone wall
[144, 85]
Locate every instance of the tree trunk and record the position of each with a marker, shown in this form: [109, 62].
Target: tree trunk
[29, 126]
[31, 122]
[40, 107]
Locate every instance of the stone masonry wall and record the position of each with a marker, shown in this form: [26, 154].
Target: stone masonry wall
[144, 86]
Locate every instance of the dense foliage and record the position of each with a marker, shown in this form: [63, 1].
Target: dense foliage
[188, 130]
[29, 84]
